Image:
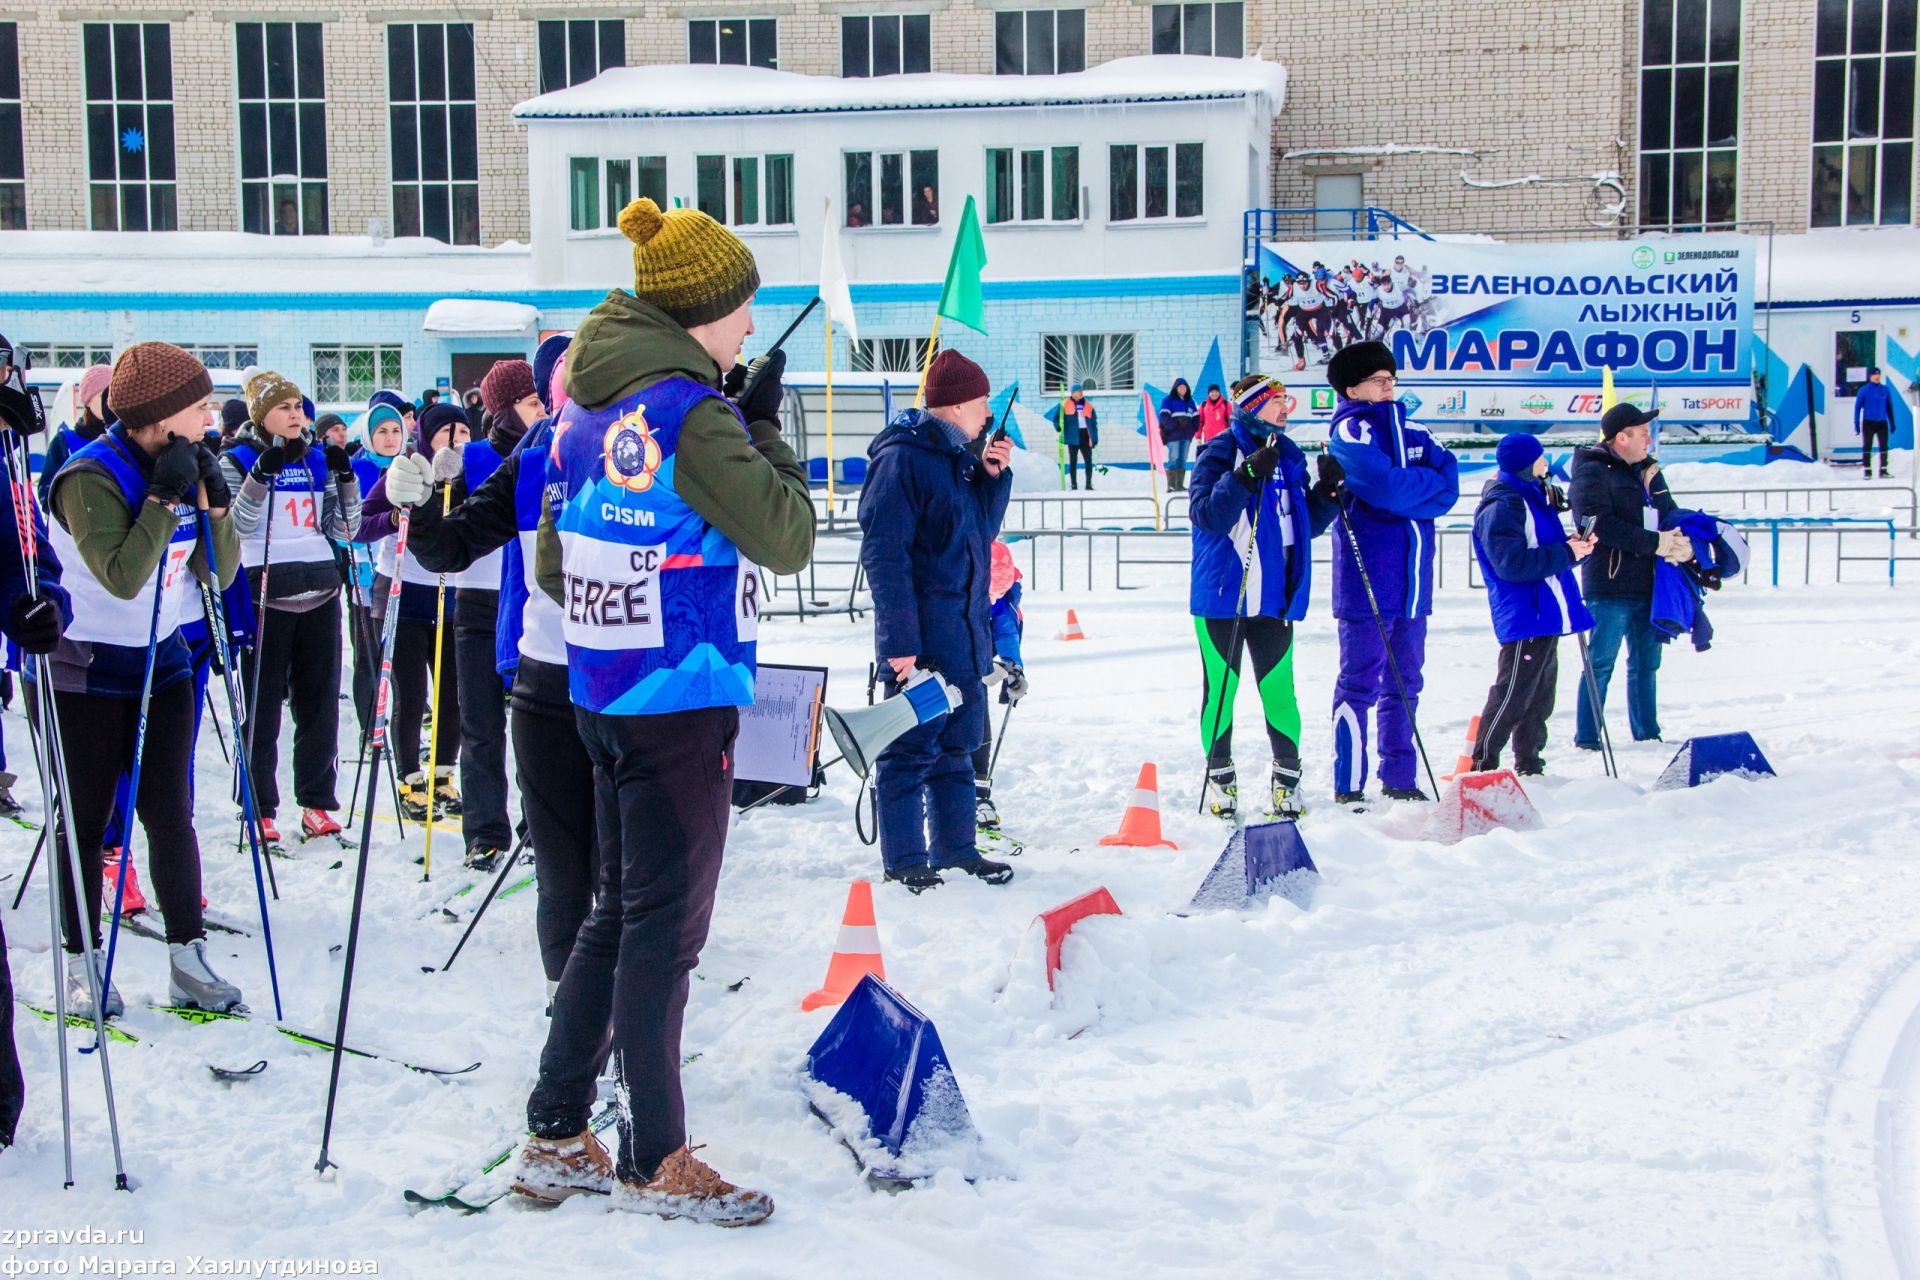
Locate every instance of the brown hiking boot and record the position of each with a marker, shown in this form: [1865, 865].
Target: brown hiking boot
[687, 1187]
[551, 1169]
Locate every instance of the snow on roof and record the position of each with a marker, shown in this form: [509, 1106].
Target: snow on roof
[705, 90]
[1867, 263]
[478, 318]
[119, 262]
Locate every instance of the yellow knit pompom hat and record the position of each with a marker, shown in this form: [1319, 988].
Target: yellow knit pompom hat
[687, 264]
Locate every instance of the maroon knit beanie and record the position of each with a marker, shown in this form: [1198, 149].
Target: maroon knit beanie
[506, 383]
[152, 381]
[954, 379]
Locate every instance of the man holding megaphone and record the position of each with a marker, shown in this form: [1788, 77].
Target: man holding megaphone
[929, 513]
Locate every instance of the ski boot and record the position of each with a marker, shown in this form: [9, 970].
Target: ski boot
[1285, 803]
[445, 794]
[1223, 794]
[1354, 800]
[1404, 793]
[315, 823]
[985, 816]
[686, 1186]
[551, 1169]
[483, 858]
[191, 982]
[917, 879]
[269, 834]
[80, 995]
[413, 797]
[9, 807]
[135, 901]
[985, 869]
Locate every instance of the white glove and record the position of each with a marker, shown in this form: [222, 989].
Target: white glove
[447, 465]
[409, 480]
[1013, 681]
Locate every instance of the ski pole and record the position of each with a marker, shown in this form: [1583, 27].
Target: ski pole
[214, 610]
[1386, 646]
[993, 763]
[1594, 704]
[127, 811]
[33, 860]
[250, 814]
[486, 902]
[439, 664]
[1232, 670]
[50, 757]
[382, 692]
[260, 621]
[219, 735]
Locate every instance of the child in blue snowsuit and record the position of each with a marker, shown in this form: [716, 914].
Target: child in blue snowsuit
[1399, 479]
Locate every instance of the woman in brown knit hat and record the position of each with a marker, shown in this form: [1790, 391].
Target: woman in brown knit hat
[124, 527]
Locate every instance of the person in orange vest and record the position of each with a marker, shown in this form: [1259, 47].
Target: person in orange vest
[1079, 430]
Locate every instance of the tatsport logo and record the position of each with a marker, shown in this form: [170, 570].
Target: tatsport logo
[631, 453]
[1643, 257]
[1736, 404]
[1322, 398]
[1536, 403]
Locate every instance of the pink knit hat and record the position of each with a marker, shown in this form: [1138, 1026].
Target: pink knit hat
[94, 381]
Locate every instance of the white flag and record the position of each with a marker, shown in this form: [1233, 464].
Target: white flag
[835, 294]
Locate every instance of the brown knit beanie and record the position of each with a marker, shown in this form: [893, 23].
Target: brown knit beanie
[687, 264]
[152, 381]
[505, 385]
[954, 379]
[265, 390]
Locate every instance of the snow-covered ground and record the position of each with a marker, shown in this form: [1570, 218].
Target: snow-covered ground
[1669, 1034]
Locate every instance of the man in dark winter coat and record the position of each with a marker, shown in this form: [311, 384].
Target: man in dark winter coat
[1527, 560]
[929, 513]
[1179, 424]
[1618, 486]
[1399, 479]
[1873, 420]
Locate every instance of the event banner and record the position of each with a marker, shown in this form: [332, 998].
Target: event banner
[1492, 331]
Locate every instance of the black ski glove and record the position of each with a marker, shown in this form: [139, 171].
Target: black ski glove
[761, 392]
[175, 471]
[219, 493]
[275, 459]
[355, 448]
[339, 461]
[1332, 476]
[36, 624]
[1258, 468]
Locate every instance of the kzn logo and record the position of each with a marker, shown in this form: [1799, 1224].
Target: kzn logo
[1536, 403]
[632, 454]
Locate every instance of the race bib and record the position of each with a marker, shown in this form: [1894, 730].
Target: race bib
[612, 594]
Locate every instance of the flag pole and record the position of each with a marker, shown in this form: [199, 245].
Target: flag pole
[920, 396]
[1065, 396]
[829, 416]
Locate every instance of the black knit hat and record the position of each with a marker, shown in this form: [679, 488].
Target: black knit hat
[1353, 365]
[233, 416]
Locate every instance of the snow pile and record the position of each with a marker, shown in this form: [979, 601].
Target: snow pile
[476, 317]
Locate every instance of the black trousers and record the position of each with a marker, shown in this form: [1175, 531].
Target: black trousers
[483, 724]
[1869, 432]
[1075, 452]
[13, 1087]
[298, 660]
[1519, 704]
[365, 634]
[98, 737]
[412, 687]
[663, 830]
[557, 792]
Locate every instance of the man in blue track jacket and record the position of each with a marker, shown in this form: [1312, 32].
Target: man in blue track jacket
[1399, 479]
[1873, 420]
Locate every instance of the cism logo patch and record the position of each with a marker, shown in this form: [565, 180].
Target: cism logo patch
[632, 454]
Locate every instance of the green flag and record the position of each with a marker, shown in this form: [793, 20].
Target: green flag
[960, 298]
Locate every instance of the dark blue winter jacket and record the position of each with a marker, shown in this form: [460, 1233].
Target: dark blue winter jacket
[1399, 481]
[1179, 419]
[1873, 403]
[1280, 577]
[1526, 561]
[1679, 589]
[1627, 502]
[929, 513]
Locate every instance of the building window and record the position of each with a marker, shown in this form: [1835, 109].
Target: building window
[745, 191]
[575, 51]
[13, 154]
[885, 45]
[129, 87]
[1199, 28]
[352, 373]
[68, 355]
[1033, 184]
[436, 150]
[1335, 197]
[887, 188]
[739, 42]
[1689, 112]
[1095, 361]
[224, 355]
[1039, 42]
[890, 355]
[1863, 70]
[281, 84]
[1155, 181]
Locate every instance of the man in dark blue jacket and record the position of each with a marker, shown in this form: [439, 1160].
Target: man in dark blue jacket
[1254, 520]
[1873, 420]
[1399, 479]
[1618, 486]
[1527, 560]
[929, 513]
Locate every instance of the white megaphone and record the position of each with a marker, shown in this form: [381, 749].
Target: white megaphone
[862, 734]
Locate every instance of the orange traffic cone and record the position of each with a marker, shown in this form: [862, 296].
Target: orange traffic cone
[1140, 827]
[1465, 763]
[855, 955]
[1073, 631]
[110, 877]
